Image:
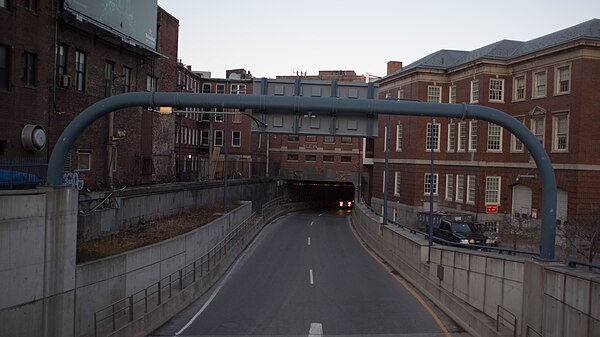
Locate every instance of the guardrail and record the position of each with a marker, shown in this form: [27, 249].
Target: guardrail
[414, 231]
[574, 264]
[512, 320]
[124, 311]
[531, 332]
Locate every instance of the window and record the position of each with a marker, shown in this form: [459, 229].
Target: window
[328, 139]
[473, 136]
[519, 88]
[126, 79]
[29, 75]
[310, 157]
[563, 80]
[471, 188]
[220, 88]
[151, 83]
[397, 183]
[496, 90]
[399, 135]
[311, 139]
[452, 94]
[218, 137]
[61, 62]
[474, 91]
[328, 158]
[31, 5]
[293, 138]
[537, 127]
[115, 159]
[433, 137]
[346, 140]
[401, 93]
[492, 190]
[292, 157]
[204, 137]
[539, 84]
[462, 136]
[451, 137]
[238, 89]
[80, 61]
[236, 138]
[560, 132]
[515, 144]
[219, 117]
[206, 88]
[449, 186]
[109, 69]
[346, 159]
[428, 187]
[4, 58]
[494, 142]
[434, 94]
[460, 188]
[84, 160]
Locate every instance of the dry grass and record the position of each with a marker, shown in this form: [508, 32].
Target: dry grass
[145, 233]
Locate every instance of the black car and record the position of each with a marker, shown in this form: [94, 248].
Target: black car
[460, 232]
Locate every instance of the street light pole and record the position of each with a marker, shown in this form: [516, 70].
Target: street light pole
[385, 173]
[431, 175]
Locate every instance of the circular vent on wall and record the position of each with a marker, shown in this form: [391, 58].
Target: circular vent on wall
[33, 137]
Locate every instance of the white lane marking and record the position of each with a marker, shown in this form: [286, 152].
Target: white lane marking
[316, 330]
[312, 280]
[311, 223]
[212, 297]
[309, 240]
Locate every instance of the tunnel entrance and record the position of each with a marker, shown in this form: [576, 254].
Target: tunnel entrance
[329, 194]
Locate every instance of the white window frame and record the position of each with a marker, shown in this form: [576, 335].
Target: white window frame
[238, 89]
[449, 187]
[515, 144]
[220, 86]
[451, 145]
[84, 153]
[462, 137]
[397, 183]
[205, 135]
[496, 94]
[557, 80]
[472, 136]
[540, 134]
[492, 195]
[516, 88]
[385, 131]
[460, 188]
[474, 92]
[555, 129]
[434, 94]
[428, 139]
[401, 93]
[233, 138]
[494, 141]
[471, 190]
[399, 135]
[426, 183]
[452, 94]
[215, 139]
[535, 92]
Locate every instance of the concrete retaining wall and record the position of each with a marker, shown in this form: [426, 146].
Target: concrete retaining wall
[469, 285]
[104, 213]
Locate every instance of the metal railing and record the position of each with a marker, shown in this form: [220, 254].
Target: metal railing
[119, 313]
[22, 173]
[531, 332]
[511, 320]
[498, 250]
[574, 264]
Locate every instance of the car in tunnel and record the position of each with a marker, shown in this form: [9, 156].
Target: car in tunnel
[345, 204]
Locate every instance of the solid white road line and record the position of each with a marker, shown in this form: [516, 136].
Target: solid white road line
[312, 281]
[316, 330]
[309, 240]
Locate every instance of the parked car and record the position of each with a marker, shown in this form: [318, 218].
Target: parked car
[460, 232]
[492, 238]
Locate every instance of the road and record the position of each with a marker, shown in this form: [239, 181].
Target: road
[308, 275]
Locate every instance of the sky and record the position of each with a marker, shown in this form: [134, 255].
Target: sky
[282, 37]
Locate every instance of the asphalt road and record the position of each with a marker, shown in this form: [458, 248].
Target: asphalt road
[307, 275]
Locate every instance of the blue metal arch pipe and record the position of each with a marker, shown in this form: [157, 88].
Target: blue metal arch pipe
[321, 106]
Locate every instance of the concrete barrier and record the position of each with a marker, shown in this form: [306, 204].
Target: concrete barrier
[475, 288]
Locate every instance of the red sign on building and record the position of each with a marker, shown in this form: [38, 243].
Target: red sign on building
[491, 208]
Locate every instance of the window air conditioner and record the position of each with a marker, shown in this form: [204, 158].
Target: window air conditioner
[64, 81]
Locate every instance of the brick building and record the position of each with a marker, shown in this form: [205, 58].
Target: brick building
[548, 83]
[55, 61]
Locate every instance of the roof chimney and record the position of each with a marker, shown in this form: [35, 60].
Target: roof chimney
[393, 66]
